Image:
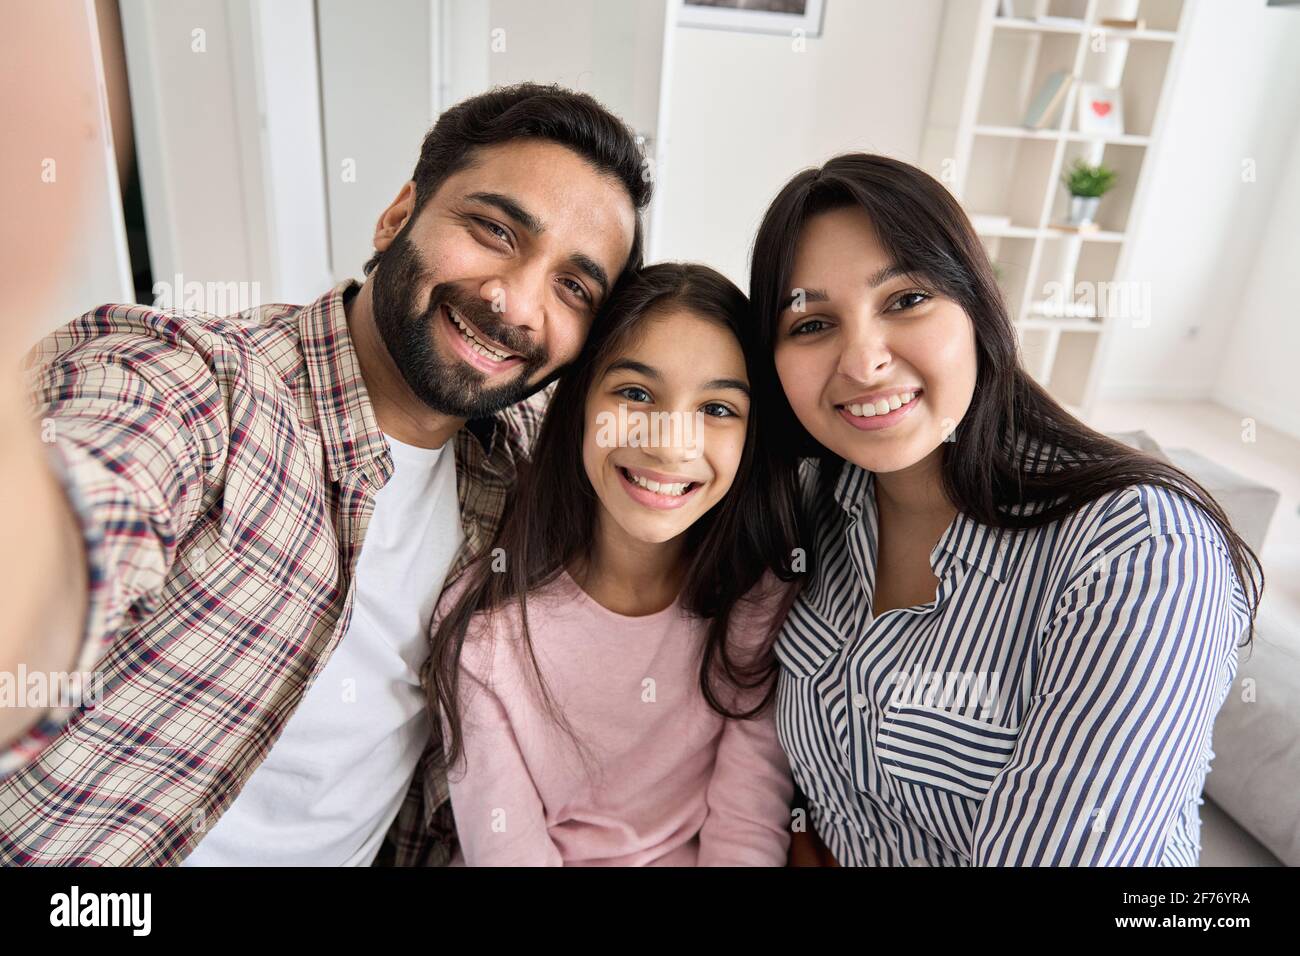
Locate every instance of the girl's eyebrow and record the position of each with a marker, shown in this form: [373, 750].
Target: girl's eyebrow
[640, 368]
[732, 383]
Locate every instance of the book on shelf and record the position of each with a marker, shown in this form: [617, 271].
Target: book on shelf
[1118, 23]
[1076, 226]
[1047, 102]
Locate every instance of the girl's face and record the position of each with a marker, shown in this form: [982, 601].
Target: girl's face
[877, 367]
[665, 426]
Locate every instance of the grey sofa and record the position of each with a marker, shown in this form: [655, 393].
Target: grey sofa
[1251, 810]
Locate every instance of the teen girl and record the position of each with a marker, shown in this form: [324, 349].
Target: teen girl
[604, 668]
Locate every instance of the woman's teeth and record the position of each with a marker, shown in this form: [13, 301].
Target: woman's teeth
[882, 406]
[475, 342]
[672, 489]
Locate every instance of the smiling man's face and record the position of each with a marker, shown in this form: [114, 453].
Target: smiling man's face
[494, 284]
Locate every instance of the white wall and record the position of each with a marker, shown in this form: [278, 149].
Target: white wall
[377, 105]
[1236, 98]
[746, 112]
[1258, 375]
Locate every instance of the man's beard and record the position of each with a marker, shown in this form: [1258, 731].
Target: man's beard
[448, 385]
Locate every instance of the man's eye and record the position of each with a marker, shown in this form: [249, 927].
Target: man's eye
[576, 288]
[634, 393]
[809, 327]
[497, 231]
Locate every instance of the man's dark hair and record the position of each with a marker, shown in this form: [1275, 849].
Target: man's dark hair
[532, 111]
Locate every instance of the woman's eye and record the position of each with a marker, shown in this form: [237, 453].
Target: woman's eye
[809, 327]
[909, 300]
[718, 410]
[634, 393]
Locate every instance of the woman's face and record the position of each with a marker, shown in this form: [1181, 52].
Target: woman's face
[877, 367]
[665, 426]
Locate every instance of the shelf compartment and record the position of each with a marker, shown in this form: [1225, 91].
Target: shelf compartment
[1136, 66]
[1161, 16]
[1072, 362]
[1011, 259]
[1112, 214]
[1019, 63]
[1009, 177]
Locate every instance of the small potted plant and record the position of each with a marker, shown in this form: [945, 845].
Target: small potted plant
[1087, 184]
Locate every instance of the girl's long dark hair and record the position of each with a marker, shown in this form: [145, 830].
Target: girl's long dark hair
[551, 520]
[990, 472]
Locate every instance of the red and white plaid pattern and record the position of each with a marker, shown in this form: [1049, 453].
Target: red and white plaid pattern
[224, 471]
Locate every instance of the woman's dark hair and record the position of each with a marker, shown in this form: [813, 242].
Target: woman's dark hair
[532, 111]
[992, 473]
[551, 521]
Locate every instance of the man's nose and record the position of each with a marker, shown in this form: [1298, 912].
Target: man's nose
[517, 298]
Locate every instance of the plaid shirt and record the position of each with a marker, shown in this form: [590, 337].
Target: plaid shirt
[224, 471]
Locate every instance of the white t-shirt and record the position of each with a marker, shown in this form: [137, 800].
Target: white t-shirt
[333, 782]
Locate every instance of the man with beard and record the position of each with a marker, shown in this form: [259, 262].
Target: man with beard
[247, 522]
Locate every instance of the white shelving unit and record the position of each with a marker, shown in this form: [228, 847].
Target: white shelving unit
[989, 68]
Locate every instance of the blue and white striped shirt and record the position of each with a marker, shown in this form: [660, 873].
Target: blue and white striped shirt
[1052, 706]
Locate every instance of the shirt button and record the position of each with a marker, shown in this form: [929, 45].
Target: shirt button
[859, 701]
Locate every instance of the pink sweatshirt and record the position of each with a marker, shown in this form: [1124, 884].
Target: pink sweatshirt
[668, 781]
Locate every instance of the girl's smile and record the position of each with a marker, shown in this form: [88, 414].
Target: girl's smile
[657, 490]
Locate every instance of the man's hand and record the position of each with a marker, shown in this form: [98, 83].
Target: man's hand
[43, 588]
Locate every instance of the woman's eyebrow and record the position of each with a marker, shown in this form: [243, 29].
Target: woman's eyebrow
[808, 295]
[881, 276]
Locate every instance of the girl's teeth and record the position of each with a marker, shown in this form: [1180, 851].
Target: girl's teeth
[895, 401]
[674, 489]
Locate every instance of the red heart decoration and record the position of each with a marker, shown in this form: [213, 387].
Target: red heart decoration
[1100, 107]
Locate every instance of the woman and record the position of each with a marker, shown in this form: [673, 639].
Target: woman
[1015, 633]
[605, 668]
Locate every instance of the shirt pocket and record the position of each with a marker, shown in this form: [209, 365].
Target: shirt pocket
[937, 748]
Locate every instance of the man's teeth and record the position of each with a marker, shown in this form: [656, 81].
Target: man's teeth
[477, 344]
[882, 406]
[673, 489]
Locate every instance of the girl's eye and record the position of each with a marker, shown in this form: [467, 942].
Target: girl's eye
[910, 300]
[718, 410]
[808, 328]
[634, 393]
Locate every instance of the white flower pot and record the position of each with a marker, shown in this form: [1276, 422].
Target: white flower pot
[1083, 209]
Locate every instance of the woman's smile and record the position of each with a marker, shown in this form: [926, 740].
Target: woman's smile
[879, 410]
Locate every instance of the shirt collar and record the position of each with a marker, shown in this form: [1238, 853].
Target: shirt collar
[345, 417]
[991, 550]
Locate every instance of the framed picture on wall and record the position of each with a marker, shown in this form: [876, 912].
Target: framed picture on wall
[1101, 111]
[754, 16]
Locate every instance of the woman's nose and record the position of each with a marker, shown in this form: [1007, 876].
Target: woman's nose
[865, 355]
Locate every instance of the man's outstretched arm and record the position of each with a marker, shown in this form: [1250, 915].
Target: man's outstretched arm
[107, 458]
[42, 562]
